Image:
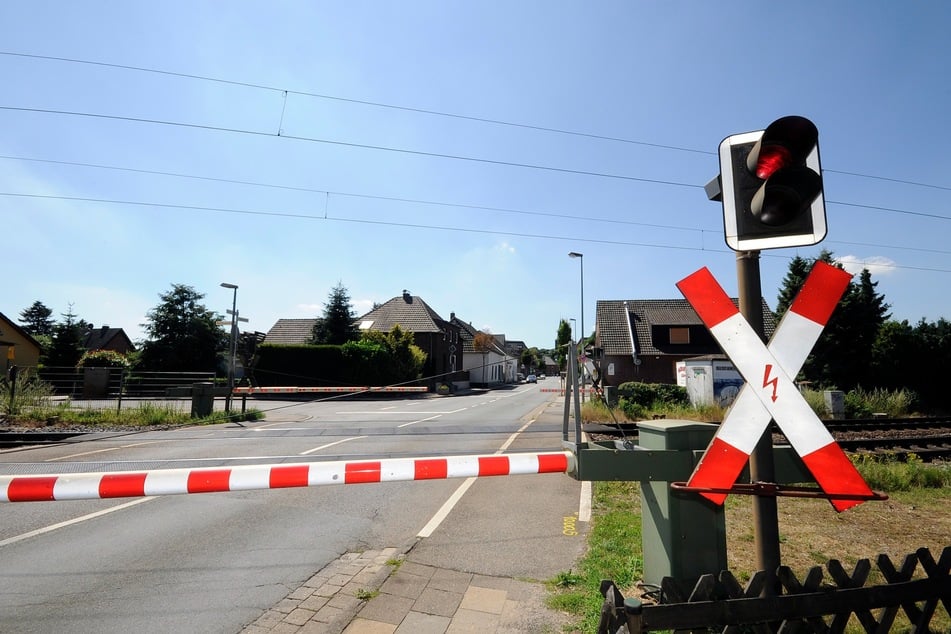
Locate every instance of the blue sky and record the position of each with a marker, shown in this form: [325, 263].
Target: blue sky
[456, 150]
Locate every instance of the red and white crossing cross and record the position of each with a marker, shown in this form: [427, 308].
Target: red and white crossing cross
[746, 421]
[769, 391]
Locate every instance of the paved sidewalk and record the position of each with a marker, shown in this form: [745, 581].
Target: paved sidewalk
[385, 592]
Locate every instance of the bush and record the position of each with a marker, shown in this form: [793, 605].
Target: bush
[860, 403]
[631, 410]
[103, 359]
[648, 395]
[891, 473]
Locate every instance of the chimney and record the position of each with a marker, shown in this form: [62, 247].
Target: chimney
[407, 297]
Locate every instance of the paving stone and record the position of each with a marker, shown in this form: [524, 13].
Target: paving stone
[417, 623]
[420, 570]
[327, 590]
[439, 602]
[346, 602]
[286, 606]
[299, 616]
[363, 626]
[404, 585]
[450, 580]
[496, 583]
[472, 622]
[301, 593]
[483, 600]
[329, 614]
[314, 602]
[340, 580]
[388, 608]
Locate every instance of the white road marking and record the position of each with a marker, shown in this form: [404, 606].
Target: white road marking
[420, 413]
[77, 520]
[330, 444]
[421, 420]
[89, 453]
[449, 504]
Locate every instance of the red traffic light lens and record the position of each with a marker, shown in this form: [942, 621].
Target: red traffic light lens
[772, 159]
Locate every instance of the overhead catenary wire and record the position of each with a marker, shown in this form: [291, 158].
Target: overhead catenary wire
[279, 133]
[426, 111]
[407, 225]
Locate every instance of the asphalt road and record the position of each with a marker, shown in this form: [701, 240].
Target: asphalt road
[214, 562]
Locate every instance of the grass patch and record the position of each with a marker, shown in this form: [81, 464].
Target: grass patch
[144, 414]
[366, 595]
[614, 552]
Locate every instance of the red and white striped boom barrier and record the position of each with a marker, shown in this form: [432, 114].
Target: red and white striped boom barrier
[250, 391]
[124, 484]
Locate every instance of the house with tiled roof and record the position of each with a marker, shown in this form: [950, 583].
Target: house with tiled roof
[291, 332]
[17, 346]
[642, 340]
[438, 338]
[491, 366]
[106, 338]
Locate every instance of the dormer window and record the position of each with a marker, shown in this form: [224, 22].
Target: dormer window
[680, 335]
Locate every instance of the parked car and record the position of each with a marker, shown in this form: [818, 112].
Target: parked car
[531, 379]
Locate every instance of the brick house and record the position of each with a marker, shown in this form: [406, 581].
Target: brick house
[642, 340]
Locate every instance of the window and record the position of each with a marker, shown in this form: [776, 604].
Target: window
[680, 335]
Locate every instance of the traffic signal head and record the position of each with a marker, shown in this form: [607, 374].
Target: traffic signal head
[771, 183]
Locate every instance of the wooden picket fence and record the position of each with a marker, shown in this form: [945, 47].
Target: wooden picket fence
[719, 603]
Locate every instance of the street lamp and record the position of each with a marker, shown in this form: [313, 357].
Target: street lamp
[234, 341]
[580, 256]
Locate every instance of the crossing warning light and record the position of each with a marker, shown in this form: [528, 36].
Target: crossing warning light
[771, 186]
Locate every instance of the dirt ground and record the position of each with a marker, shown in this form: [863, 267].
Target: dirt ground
[811, 532]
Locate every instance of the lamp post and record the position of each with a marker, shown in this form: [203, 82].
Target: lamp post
[580, 256]
[234, 341]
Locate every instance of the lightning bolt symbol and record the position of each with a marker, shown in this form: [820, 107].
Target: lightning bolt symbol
[774, 382]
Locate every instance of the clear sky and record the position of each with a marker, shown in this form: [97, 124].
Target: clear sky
[455, 150]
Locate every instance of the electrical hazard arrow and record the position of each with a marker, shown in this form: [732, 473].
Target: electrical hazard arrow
[769, 392]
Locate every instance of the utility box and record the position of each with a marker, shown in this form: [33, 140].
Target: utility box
[710, 380]
[203, 399]
[684, 534]
[835, 403]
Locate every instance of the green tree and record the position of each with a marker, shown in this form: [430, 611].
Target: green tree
[562, 339]
[336, 327]
[895, 356]
[37, 320]
[67, 343]
[182, 335]
[386, 357]
[484, 342]
[531, 359]
[842, 357]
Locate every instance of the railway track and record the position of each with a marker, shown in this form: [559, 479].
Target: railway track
[928, 438]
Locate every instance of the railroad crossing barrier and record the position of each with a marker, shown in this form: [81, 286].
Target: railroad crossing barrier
[385, 389]
[121, 484]
[203, 393]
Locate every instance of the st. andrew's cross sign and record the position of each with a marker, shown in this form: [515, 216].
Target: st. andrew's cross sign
[769, 392]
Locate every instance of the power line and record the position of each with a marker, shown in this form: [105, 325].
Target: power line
[328, 192]
[365, 146]
[417, 110]
[407, 225]
[419, 153]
